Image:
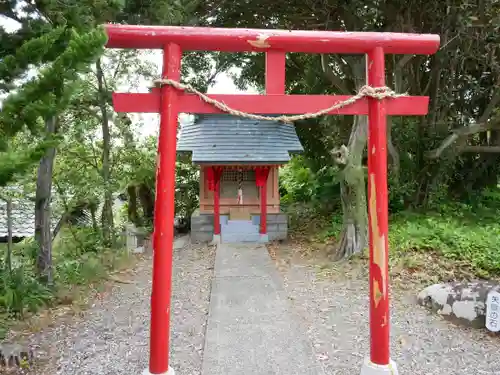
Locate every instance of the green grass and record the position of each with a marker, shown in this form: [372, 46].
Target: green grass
[456, 234]
[461, 238]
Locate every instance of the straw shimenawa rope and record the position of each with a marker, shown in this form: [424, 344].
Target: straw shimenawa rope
[365, 91]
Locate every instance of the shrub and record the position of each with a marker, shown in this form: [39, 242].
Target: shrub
[21, 291]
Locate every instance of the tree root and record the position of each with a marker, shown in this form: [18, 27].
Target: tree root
[118, 280]
[350, 243]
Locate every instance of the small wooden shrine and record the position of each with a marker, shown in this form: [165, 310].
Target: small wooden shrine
[239, 161]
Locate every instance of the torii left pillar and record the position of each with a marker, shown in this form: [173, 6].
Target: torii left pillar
[163, 235]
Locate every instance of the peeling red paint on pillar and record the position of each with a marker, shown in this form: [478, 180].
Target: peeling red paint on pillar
[164, 216]
[378, 213]
[260, 42]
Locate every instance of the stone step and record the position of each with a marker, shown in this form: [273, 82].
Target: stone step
[243, 225]
[239, 233]
[240, 228]
[240, 222]
[240, 237]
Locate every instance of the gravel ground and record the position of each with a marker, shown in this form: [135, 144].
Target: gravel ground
[112, 337]
[334, 307]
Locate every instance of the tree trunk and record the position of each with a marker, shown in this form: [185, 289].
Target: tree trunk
[107, 210]
[42, 208]
[133, 215]
[354, 234]
[147, 202]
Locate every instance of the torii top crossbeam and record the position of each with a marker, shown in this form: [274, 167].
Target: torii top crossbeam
[169, 101]
[241, 40]
[269, 41]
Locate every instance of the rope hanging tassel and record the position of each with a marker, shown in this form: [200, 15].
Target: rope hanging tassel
[365, 91]
[240, 186]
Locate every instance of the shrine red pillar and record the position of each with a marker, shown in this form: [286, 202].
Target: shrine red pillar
[263, 209]
[377, 213]
[262, 174]
[217, 173]
[164, 215]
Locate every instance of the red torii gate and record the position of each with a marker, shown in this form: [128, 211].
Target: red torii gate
[169, 102]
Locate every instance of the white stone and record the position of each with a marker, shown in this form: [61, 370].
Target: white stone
[465, 309]
[370, 368]
[138, 250]
[215, 240]
[264, 238]
[493, 311]
[446, 310]
[461, 302]
[169, 372]
[438, 292]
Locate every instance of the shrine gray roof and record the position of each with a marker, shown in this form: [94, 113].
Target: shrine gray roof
[23, 217]
[220, 138]
[23, 212]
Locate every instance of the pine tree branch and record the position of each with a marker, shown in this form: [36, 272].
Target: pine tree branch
[49, 93]
[33, 52]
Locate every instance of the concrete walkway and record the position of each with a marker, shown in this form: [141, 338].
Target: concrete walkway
[251, 329]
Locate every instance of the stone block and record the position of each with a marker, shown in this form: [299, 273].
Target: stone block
[202, 218]
[202, 228]
[277, 218]
[272, 227]
[282, 219]
[200, 237]
[277, 227]
[271, 218]
[277, 236]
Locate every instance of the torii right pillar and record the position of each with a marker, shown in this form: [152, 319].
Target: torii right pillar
[378, 221]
